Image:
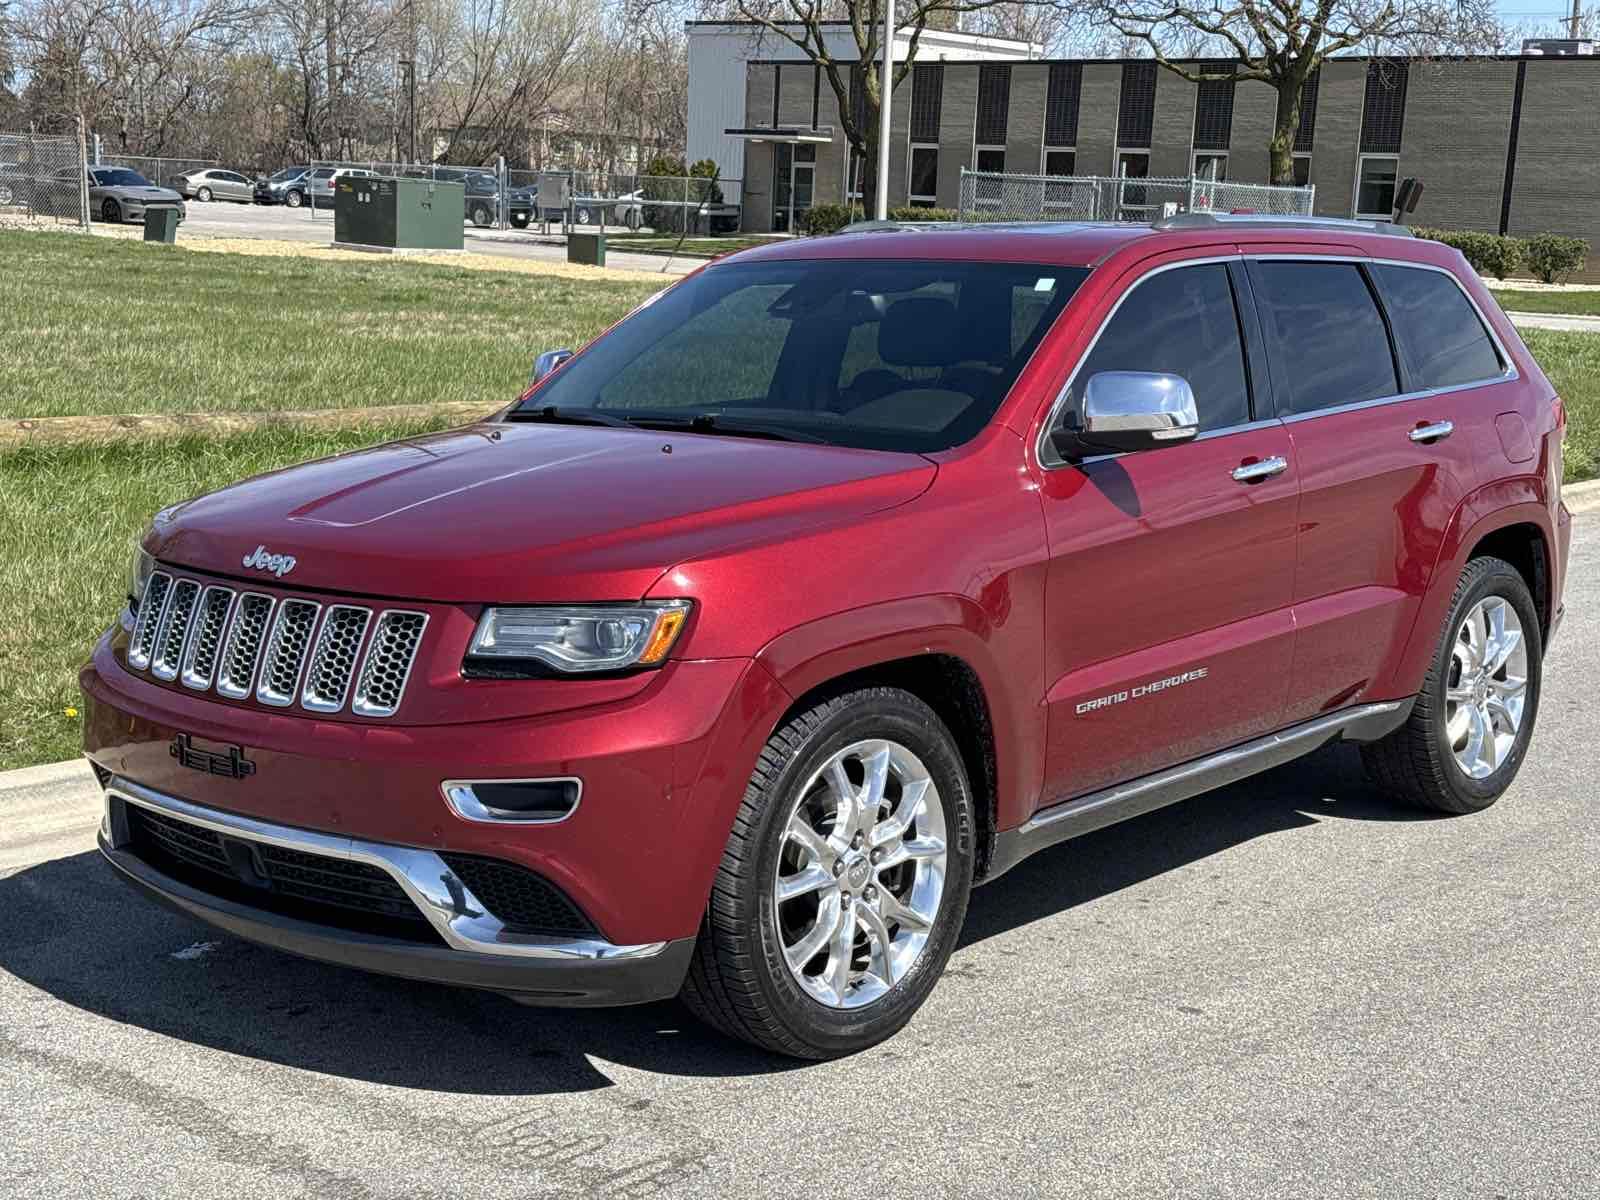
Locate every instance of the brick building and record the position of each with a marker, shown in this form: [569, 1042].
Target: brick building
[1502, 144]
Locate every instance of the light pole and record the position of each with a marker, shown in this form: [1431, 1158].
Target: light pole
[885, 89]
[411, 102]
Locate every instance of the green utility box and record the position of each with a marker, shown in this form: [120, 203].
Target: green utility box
[586, 249]
[398, 214]
[161, 225]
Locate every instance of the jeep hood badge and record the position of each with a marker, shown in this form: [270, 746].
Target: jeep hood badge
[261, 559]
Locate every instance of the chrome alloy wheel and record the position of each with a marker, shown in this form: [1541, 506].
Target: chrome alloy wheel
[1487, 687]
[860, 873]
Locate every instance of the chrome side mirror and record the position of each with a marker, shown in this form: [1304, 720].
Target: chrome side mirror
[1131, 410]
[548, 362]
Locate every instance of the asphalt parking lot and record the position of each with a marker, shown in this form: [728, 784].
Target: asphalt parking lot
[283, 224]
[1288, 988]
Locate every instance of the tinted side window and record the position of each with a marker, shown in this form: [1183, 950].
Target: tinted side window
[1179, 322]
[1324, 327]
[1441, 338]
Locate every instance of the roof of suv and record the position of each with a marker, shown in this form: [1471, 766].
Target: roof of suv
[1081, 244]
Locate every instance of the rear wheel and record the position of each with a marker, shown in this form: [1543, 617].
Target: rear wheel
[203, 195]
[844, 883]
[1469, 729]
[111, 211]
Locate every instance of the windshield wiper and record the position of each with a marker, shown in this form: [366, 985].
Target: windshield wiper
[717, 423]
[567, 416]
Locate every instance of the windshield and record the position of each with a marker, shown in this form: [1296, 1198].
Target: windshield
[120, 178]
[287, 173]
[881, 355]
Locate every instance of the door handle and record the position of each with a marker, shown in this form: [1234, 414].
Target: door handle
[1428, 434]
[1266, 468]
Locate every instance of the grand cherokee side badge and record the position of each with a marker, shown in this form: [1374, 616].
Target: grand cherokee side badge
[232, 765]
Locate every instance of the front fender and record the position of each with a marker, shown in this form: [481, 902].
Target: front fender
[812, 654]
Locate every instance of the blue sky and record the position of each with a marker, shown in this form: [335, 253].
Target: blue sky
[1537, 10]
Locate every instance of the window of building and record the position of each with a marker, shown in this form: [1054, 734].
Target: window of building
[1383, 109]
[1213, 107]
[1061, 104]
[927, 101]
[1136, 110]
[1180, 322]
[1375, 183]
[992, 159]
[1060, 162]
[1302, 170]
[1322, 318]
[1133, 199]
[1307, 128]
[994, 103]
[1210, 165]
[924, 186]
[1440, 335]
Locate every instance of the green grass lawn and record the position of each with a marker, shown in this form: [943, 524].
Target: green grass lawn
[1571, 304]
[1572, 360]
[71, 516]
[102, 325]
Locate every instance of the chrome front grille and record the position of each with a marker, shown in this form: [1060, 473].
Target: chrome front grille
[388, 666]
[286, 652]
[280, 652]
[333, 662]
[173, 629]
[243, 647]
[200, 656]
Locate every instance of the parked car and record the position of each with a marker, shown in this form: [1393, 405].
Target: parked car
[482, 190]
[284, 186]
[627, 209]
[117, 194]
[317, 185]
[844, 575]
[213, 183]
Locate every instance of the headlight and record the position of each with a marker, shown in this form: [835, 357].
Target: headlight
[139, 571]
[577, 640]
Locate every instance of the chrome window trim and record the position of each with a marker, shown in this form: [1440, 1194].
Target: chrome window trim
[1509, 375]
[1060, 401]
[456, 914]
[464, 802]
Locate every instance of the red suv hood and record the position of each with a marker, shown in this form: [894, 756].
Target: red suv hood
[504, 513]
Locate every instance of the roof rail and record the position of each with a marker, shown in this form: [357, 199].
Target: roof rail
[1200, 220]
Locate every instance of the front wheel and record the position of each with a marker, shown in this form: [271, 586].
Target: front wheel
[293, 198]
[111, 211]
[520, 220]
[1469, 728]
[844, 883]
[482, 215]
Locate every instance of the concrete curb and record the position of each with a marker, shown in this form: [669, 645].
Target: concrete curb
[1558, 322]
[1579, 498]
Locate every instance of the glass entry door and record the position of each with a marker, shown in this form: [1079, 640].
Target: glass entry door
[794, 169]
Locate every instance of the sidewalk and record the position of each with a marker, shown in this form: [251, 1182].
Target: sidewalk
[1556, 321]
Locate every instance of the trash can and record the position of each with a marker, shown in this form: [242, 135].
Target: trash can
[586, 249]
[161, 225]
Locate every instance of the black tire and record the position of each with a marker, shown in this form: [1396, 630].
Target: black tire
[482, 216]
[1415, 762]
[203, 195]
[111, 211]
[738, 981]
[520, 220]
[294, 198]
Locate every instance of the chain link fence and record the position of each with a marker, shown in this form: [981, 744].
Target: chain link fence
[159, 171]
[43, 179]
[989, 196]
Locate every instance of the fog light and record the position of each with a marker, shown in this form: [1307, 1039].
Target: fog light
[535, 801]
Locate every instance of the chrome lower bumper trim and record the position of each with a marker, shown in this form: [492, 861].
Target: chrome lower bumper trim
[458, 916]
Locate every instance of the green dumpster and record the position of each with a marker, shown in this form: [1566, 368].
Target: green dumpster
[161, 225]
[586, 249]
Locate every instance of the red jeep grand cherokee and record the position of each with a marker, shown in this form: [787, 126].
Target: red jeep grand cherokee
[836, 579]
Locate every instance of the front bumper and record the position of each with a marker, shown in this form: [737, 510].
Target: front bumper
[478, 950]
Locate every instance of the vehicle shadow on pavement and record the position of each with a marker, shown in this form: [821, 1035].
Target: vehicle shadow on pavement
[1326, 784]
[70, 928]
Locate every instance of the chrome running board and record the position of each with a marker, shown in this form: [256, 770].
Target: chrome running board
[1085, 814]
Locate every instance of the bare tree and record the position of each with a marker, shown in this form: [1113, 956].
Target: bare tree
[1281, 42]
